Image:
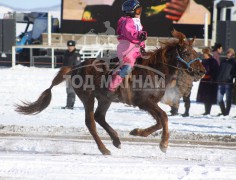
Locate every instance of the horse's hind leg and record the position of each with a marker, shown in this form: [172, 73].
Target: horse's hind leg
[90, 123]
[100, 114]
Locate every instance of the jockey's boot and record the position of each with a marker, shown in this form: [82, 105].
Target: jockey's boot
[116, 81]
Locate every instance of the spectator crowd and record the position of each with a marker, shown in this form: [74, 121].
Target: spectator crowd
[218, 86]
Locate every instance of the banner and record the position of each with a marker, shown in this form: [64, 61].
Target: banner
[87, 15]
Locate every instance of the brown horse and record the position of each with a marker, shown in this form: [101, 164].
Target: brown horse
[154, 73]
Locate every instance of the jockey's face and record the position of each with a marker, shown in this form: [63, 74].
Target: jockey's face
[138, 12]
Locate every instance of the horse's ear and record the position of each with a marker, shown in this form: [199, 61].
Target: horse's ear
[192, 41]
[179, 36]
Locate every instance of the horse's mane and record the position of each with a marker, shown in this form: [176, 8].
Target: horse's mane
[179, 38]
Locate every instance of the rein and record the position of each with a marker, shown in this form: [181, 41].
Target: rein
[188, 64]
[89, 65]
[182, 69]
[178, 57]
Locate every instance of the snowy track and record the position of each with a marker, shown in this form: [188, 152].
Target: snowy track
[56, 144]
[22, 139]
[79, 158]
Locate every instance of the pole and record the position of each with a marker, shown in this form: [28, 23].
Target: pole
[206, 30]
[53, 64]
[49, 28]
[214, 26]
[31, 57]
[13, 56]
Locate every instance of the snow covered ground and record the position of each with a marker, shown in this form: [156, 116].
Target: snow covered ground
[55, 144]
[76, 159]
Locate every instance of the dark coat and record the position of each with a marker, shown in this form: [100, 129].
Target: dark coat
[234, 93]
[71, 58]
[207, 91]
[227, 71]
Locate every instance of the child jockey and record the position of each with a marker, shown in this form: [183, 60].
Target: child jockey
[131, 39]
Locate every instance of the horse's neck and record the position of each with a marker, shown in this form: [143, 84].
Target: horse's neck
[156, 61]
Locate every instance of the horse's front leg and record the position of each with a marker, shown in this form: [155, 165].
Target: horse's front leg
[162, 122]
[147, 131]
[151, 108]
[165, 132]
[91, 125]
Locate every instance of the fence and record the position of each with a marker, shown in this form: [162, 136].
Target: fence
[91, 46]
[32, 58]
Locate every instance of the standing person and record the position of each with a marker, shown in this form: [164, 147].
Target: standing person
[187, 103]
[71, 58]
[217, 50]
[131, 39]
[207, 92]
[184, 83]
[225, 79]
[234, 93]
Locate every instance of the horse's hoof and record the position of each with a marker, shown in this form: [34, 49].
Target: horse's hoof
[135, 132]
[117, 144]
[105, 152]
[163, 148]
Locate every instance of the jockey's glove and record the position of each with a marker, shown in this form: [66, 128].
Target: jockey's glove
[142, 50]
[143, 36]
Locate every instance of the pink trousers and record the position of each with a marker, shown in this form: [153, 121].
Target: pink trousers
[127, 53]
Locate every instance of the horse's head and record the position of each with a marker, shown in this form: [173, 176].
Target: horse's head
[187, 58]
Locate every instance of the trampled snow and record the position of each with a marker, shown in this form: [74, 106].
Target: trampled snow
[50, 145]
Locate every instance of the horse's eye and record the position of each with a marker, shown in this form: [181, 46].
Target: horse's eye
[188, 53]
[185, 50]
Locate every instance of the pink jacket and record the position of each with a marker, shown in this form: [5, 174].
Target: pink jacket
[130, 29]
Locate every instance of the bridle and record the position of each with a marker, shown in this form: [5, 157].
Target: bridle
[188, 64]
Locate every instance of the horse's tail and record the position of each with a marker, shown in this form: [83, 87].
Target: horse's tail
[45, 98]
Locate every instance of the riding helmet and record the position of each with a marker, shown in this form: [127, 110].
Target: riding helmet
[129, 7]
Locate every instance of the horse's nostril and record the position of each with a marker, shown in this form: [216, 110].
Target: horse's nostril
[203, 72]
[190, 69]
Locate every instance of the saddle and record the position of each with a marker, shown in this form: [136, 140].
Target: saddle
[114, 62]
